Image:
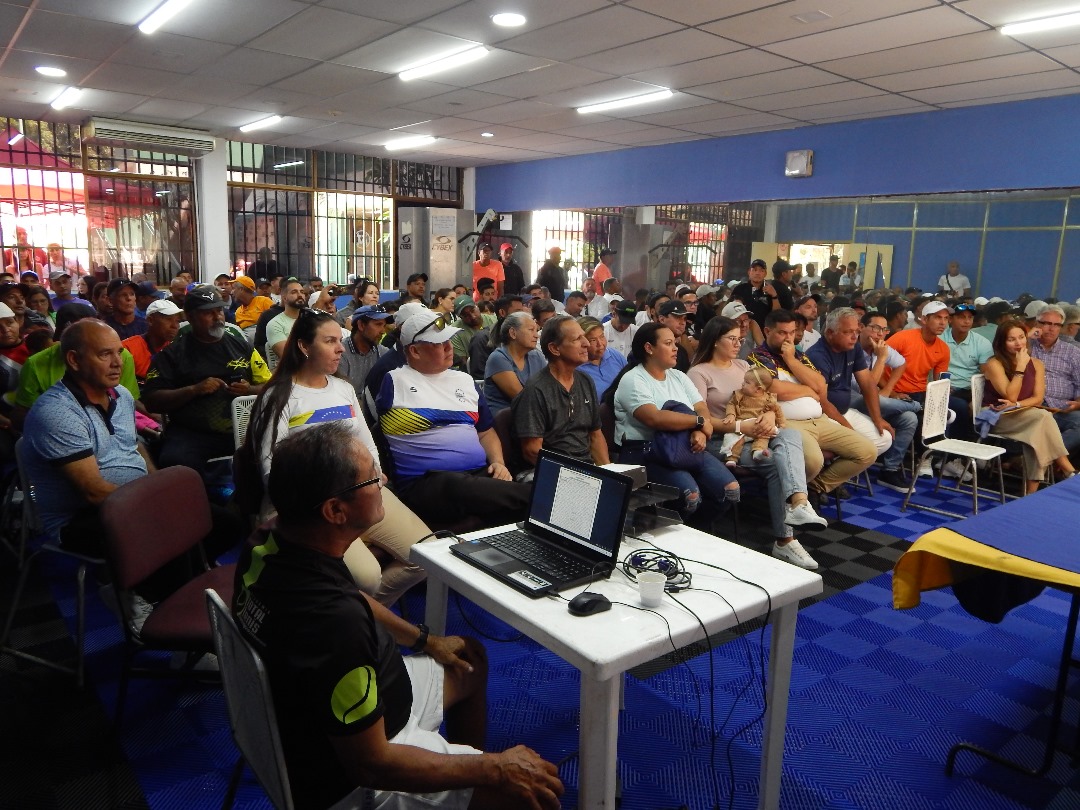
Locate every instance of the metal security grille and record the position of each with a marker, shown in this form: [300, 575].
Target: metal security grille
[423, 181]
[564, 229]
[342, 172]
[271, 231]
[270, 165]
[354, 237]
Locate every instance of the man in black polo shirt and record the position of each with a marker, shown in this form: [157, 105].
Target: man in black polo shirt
[756, 294]
[558, 408]
[195, 379]
[352, 711]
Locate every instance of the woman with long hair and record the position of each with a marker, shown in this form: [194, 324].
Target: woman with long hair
[39, 301]
[443, 301]
[1015, 386]
[643, 392]
[368, 293]
[717, 373]
[305, 391]
[516, 359]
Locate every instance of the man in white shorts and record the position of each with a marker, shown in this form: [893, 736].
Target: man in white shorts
[351, 710]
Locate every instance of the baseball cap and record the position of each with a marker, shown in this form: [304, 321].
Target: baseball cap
[246, 282]
[163, 307]
[706, 289]
[6, 312]
[959, 308]
[203, 297]
[461, 302]
[981, 302]
[55, 274]
[934, 306]
[372, 312]
[26, 273]
[481, 246]
[148, 288]
[683, 288]
[811, 297]
[608, 252]
[672, 308]
[625, 311]
[416, 277]
[734, 309]
[759, 263]
[504, 246]
[781, 266]
[262, 282]
[588, 323]
[406, 311]
[858, 303]
[1033, 309]
[118, 284]
[428, 326]
[996, 309]
[18, 285]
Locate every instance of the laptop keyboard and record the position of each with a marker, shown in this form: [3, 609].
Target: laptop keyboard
[547, 559]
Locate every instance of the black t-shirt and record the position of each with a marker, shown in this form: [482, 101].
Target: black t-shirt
[513, 279]
[757, 302]
[831, 278]
[264, 320]
[543, 410]
[783, 295]
[333, 670]
[553, 277]
[187, 361]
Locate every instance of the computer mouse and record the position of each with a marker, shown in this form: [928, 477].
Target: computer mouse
[587, 603]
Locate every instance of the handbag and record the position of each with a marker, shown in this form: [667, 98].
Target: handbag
[671, 448]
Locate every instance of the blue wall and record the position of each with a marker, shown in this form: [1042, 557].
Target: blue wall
[1019, 145]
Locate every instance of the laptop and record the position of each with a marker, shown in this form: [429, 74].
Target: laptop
[572, 534]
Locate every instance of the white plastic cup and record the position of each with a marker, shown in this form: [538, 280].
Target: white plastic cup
[651, 587]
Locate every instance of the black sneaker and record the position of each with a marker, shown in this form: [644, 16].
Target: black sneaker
[842, 492]
[896, 480]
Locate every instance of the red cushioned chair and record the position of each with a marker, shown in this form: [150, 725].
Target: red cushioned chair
[148, 523]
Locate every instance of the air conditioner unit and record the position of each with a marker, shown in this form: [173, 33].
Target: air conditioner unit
[145, 137]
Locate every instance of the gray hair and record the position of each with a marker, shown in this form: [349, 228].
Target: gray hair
[832, 320]
[515, 320]
[552, 333]
[309, 466]
[1072, 313]
[1051, 308]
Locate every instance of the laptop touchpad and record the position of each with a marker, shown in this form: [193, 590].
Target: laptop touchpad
[492, 557]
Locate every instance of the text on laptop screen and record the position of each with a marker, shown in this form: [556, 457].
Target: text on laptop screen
[579, 505]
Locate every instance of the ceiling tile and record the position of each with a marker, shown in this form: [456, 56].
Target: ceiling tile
[28, 90]
[599, 129]
[778, 23]
[322, 33]
[236, 21]
[648, 135]
[122, 78]
[707, 111]
[859, 116]
[472, 19]
[1001, 12]
[217, 92]
[498, 64]
[737, 122]
[108, 102]
[963, 48]
[609, 90]
[165, 51]
[389, 92]
[48, 32]
[677, 48]
[328, 79]
[762, 84]
[998, 67]
[403, 49]
[554, 77]
[696, 12]
[609, 27]
[127, 13]
[884, 103]
[403, 12]
[871, 37]
[21, 64]
[168, 109]
[1059, 91]
[1067, 55]
[267, 67]
[1052, 80]
[844, 91]
[717, 68]
[274, 100]
[457, 103]
[551, 120]
[513, 112]
[223, 118]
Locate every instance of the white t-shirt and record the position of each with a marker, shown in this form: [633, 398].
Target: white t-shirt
[620, 341]
[957, 283]
[809, 338]
[638, 388]
[800, 407]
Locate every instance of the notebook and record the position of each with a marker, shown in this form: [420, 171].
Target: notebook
[572, 534]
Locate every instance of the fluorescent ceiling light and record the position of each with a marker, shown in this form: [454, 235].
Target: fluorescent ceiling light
[265, 122]
[413, 124]
[508, 19]
[287, 165]
[162, 14]
[648, 98]
[54, 72]
[18, 136]
[67, 97]
[487, 134]
[162, 193]
[410, 143]
[1045, 24]
[445, 63]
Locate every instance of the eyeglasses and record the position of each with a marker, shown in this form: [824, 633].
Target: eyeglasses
[873, 327]
[733, 339]
[376, 481]
[436, 325]
[1050, 324]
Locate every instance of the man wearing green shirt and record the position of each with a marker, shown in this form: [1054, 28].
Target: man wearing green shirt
[469, 321]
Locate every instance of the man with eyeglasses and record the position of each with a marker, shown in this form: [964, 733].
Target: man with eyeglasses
[448, 460]
[968, 353]
[1062, 361]
[351, 709]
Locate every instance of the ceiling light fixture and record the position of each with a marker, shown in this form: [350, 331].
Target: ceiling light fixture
[410, 143]
[54, 72]
[648, 98]
[444, 63]
[1045, 24]
[161, 193]
[162, 14]
[260, 124]
[508, 19]
[487, 134]
[413, 124]
[67, 97]
[287, 165]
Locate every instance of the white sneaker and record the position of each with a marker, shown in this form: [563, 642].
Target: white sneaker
[957, 469]
[804, 515]
[140, 612]
[925, 470]
[793, 552]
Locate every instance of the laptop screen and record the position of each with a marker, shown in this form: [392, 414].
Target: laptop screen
[579, 502]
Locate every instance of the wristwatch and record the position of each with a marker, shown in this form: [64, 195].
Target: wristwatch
[421, 642]
[700, 422]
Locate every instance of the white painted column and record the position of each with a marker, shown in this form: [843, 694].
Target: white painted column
[212, 211]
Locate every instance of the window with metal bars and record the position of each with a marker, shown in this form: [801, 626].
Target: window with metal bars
[258, 164]
[272, 231]
[423, 181]
[354, 237]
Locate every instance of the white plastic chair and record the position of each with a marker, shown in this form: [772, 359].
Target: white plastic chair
[935, 419]
[978, 390]
[241, 415]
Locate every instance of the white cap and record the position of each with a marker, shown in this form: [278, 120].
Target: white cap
[734, 309]
[1033, 309]
[163, 307]
[932, 307]
[981, 302]
[5, 311]
[418, 328]
[313, 299]
[406, 311]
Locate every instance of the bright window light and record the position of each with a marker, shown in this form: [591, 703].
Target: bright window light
[648, 98]
[508, 19]
[445, 63]
[287, 165]
[261, 124]
[410, 143]
[67, 97]
[162, 14]
[1045, 24]
[18, 136]
[52, 72]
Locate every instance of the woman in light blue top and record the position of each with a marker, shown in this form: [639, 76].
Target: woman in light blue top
[512, 364]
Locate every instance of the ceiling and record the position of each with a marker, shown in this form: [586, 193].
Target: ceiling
[329, 68]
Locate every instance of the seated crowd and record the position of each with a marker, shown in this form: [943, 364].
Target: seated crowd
[375, 424]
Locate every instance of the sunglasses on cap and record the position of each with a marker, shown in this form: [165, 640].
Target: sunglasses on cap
[963, 308]
[436, 325]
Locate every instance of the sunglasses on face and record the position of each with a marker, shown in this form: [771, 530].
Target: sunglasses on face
[376, 481]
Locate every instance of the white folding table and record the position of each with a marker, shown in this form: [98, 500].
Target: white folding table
[606, 645]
